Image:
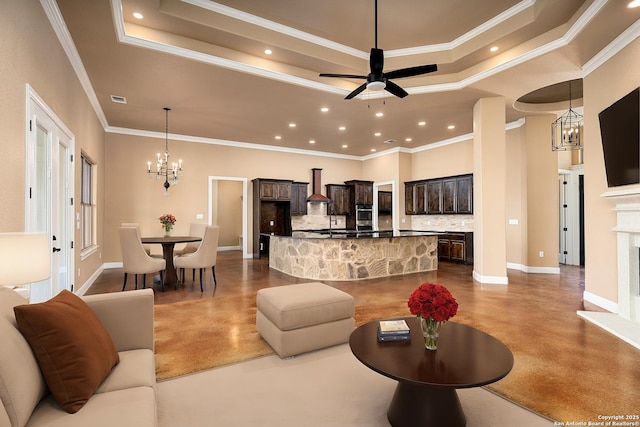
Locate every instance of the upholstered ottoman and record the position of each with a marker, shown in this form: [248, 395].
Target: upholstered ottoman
[295, 319]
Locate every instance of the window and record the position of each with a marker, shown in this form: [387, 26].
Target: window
[87, 205]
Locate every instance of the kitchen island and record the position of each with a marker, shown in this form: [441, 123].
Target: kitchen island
[352, 255]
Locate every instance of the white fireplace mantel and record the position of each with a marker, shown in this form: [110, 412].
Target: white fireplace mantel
[626, 322]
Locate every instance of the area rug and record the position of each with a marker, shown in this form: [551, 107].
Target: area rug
[189, 337]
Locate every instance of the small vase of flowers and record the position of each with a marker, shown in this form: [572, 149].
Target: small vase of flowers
[432, 304]
[167, 221]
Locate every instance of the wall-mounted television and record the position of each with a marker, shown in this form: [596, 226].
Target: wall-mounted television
[620, 132]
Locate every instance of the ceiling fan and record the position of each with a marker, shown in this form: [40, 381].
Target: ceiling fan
[379, 80]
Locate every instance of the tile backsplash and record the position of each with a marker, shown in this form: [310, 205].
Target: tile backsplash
[316, 218]
[442, 222]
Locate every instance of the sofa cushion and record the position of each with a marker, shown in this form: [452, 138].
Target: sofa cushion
[136, 368]
[133, 407]
[21, 384]
[74, 350]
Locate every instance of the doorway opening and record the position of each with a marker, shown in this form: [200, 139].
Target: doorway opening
[571, 217]
[385, 197]
[228, 209]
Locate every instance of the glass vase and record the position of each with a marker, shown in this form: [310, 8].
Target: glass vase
[430, 329]
[167, 230]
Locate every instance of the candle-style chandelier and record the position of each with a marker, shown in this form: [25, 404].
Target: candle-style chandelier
[566, 131]
[170, 172]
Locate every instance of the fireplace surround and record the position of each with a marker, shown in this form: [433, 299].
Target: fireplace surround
[625, 322]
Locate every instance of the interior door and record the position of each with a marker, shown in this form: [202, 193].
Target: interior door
[49, 191]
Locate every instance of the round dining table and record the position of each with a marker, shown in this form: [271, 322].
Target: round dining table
[168, 243]
[428, 379]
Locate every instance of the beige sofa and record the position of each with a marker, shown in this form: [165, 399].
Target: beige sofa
[125, 398]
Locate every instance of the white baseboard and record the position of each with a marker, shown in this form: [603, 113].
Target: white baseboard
[496, 280]
[527, 269]
[86, 285]
[600, 301]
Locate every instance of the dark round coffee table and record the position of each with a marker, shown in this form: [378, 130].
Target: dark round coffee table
[428, 379]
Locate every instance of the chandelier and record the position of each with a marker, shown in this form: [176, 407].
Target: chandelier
[566, 131]
[170, 172]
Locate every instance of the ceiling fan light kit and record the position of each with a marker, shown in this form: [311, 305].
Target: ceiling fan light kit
[378, 80]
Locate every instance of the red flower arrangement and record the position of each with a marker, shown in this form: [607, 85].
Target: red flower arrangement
[432, 301]
[167, 219]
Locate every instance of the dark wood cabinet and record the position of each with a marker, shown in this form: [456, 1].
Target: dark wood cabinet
[271, 212]
[299, 198]
[361, 192]
[456, 247]
[385, 201]
[415, 197]
[450, 195]
[434, 196]
[276, 190]
[464, 194]
[340, 196]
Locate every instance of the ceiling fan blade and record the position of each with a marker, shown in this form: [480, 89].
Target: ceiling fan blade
[376, 62]
[395, 89]
[357, 91]
[343, 76]
[411, 71]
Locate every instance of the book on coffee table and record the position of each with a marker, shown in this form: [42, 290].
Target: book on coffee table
[394, 330]
[393, 326]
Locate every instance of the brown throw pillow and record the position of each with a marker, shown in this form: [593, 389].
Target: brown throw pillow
[73, 349]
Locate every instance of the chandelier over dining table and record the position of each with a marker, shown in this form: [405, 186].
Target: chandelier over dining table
[163, 169]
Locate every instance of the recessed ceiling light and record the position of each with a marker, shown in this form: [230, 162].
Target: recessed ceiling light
[377, 134]
[137, 15]
[268, 51]
[312, 141]
[324, 109]
[278, 137]
[408, 139]
[494, 48]
[373, 150]
[380, 114]
[342, 128]
[292, 125]
[345, 146]
[422, 123]
[634, 3]
[451, 127]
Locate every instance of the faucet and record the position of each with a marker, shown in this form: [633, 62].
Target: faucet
[331, 213]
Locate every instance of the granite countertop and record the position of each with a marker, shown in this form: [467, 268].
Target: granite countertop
[354, 234]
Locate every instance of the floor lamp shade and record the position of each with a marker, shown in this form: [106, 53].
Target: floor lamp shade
[24, 258]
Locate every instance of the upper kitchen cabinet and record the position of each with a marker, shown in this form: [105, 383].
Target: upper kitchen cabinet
[275, 190]
[361, 192]
[340, 197]
[450, 195]
[434, 196]
[299, 198]
[415, 197]
[464, 194]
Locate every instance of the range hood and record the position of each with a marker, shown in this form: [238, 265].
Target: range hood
[316, 188]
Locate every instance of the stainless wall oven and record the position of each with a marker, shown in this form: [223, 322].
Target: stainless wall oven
[364, 217]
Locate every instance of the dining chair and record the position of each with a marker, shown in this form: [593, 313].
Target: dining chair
[204, 257]
[135, 260]
[137, 227]
[196, 229]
